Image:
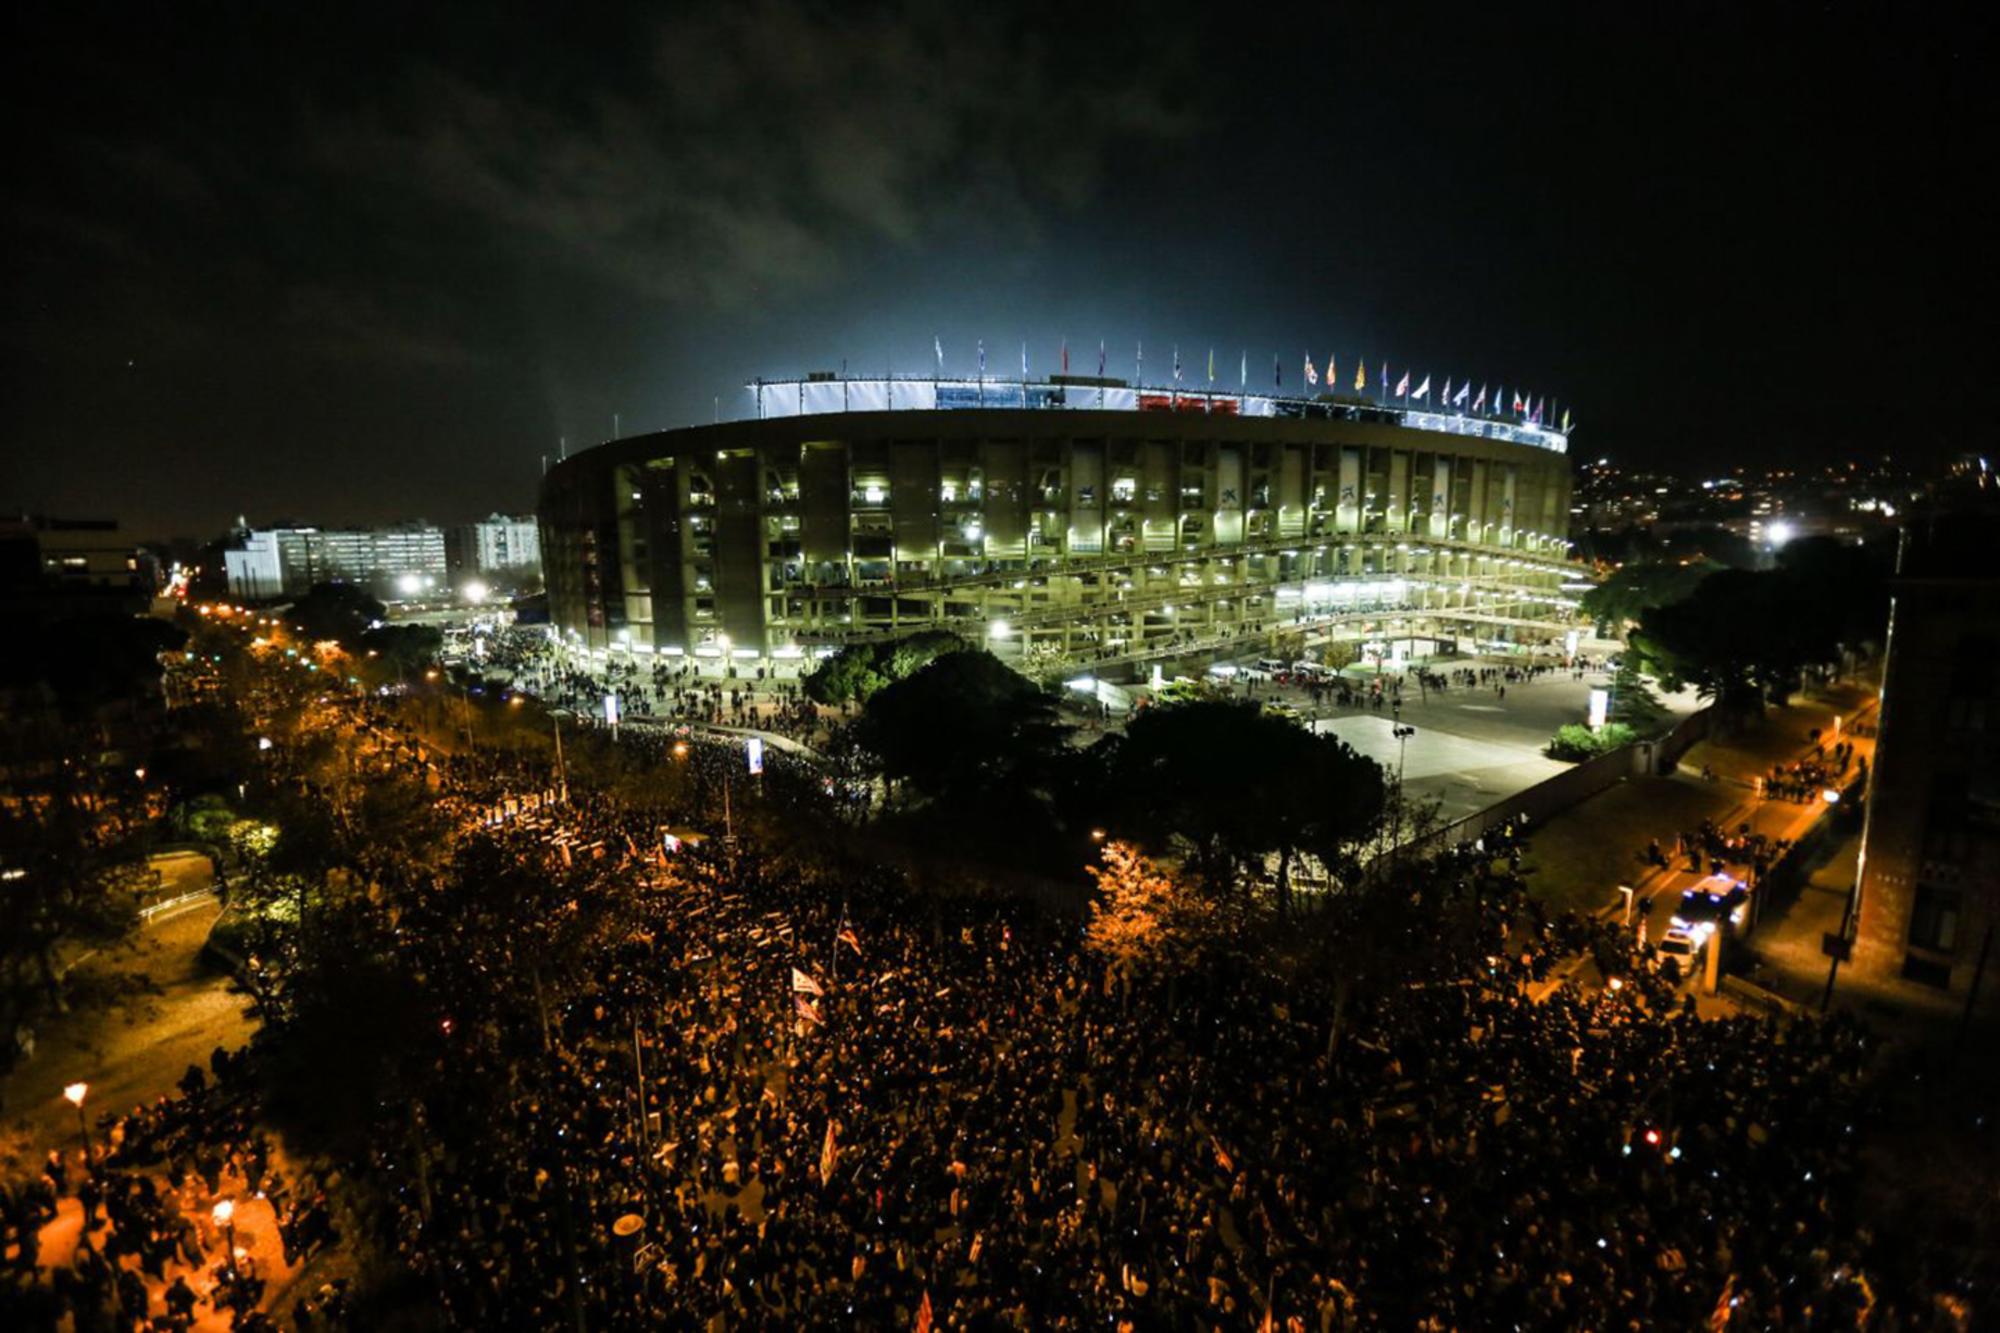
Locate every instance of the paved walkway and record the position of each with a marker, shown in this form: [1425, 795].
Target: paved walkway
[1579, 858]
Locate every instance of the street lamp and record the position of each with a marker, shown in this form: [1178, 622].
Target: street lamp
[74, 1095]
[225, 1217]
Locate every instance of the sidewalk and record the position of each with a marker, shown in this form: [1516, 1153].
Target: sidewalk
[1579, 859]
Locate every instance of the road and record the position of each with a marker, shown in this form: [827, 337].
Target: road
[148, 1010]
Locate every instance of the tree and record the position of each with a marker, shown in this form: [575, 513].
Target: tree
[342, 612]
[1742, 636]
[1238, 787]
[1632, 590]
[1633, 703]
[858, 670]
[1142, 919]
[964, 726]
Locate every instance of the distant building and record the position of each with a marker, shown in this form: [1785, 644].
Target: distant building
[72, 552]
[499, 544]
[1930, 858]
[395, 563]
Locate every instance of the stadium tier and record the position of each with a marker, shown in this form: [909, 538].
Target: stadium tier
[1064, 534]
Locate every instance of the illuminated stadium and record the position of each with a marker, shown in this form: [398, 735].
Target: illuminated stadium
[1067, 522]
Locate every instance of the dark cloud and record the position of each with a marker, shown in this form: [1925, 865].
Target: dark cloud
[758, 145]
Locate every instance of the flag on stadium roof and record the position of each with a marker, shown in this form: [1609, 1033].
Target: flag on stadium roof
[1360, 375]
[1479, 403]
[1332, 375]
[1403, 386]
[1312, 376]
[1211, 365]
[1424, 389]
[1065, 356]
[937, 345]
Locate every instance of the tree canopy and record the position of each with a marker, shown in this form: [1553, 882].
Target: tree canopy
[1634, 589]
[964, 725]
[858, 670]
[1238, 786]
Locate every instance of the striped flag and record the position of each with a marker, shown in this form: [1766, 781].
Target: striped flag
[1479, 403]
[807, 1011]
[1312, 376]
[805, 985]
[1332, 375]
[1360, 376]
[1403, 386]
[829, 1156]
[850, 939]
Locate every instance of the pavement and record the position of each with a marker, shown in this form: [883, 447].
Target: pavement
[1579, 858]
[147, 1011]
[1473, 748]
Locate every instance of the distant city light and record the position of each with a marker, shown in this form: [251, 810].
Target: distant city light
[409, 584]
[1779, 533]
[475, 592]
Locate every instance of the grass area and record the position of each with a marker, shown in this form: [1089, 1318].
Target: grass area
[1577, 859]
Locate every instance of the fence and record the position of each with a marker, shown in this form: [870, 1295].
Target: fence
[1578, 784]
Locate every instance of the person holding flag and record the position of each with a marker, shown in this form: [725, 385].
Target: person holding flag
[829, 1155]
[804, 985]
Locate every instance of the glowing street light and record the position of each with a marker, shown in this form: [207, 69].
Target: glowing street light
[74, 1095]
[224, 1214]
[475, 591]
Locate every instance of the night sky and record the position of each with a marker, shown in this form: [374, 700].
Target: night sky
[340, 264]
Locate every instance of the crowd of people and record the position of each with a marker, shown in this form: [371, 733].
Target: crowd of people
[1806, 779]
[790, 1091]
[786, 1097]
[150, 1250]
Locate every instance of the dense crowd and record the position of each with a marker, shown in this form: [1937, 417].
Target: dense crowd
[818, 1101]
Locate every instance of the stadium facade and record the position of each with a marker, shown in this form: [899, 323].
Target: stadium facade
[1070, 522]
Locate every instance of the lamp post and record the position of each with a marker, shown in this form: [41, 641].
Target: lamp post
[225, 1217]
[1402, 735]
[74, 1095]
